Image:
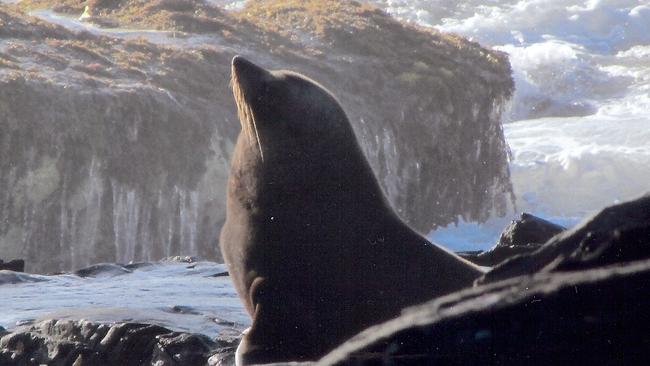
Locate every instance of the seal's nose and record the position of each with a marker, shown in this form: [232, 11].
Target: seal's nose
[239, 62]
[248, 76]
[244, 68]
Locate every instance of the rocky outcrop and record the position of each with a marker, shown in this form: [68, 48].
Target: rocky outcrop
[105, 157]
[114, 145]
[16, 265]
[617, 234]
[521, 236]
[80, 343]
[580, 299]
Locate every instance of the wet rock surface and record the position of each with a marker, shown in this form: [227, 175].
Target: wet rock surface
[102, 269]
[522, 236]
[55, 342]
[116, 141]
[11, 277]
[580, 299]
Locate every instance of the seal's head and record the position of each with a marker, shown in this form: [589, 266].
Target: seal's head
[284, 111]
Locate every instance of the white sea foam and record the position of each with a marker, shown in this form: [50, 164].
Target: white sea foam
[564, 169]
[574, 166]
[635, 52]
[597, 24]
[580, 131]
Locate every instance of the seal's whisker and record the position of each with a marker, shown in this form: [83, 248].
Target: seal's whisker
[242, 109]
[246, 116]
[257, 136]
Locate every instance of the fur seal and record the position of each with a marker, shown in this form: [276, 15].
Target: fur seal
[314, 249]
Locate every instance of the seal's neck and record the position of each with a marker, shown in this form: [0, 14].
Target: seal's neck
[328, 187]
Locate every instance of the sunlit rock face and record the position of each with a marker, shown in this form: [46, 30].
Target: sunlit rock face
[101, 159]
[93, 175]
[107, 174]
[115, 144]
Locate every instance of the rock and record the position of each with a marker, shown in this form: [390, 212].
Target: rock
[591, 317]
[16, 265]
[136, 344]
[119, 148]
[137, 265]
[182, 309]
[55, 342]
[102, 270]
[224, 354]
[522, 236]
[579, 299]
[220, 274]
[101, 22]
[619, 233]
[181, 259]
[20, 349]
[529, 229]
[11, 277]
[185, 349]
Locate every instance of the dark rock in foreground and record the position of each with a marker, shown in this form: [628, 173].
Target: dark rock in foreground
[596, 317]
[617, 234]
[581, 299]
[55, 342]
[16, 265]
[522, 236]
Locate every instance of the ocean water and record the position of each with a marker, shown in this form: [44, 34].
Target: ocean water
[579, 123]
[181, 296]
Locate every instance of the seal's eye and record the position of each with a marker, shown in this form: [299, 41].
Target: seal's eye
[266, 93]
[272, 92]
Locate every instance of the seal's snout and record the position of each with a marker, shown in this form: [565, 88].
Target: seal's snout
[247, 73]
[239, 64]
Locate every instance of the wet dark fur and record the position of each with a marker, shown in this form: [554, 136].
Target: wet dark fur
[314, 249]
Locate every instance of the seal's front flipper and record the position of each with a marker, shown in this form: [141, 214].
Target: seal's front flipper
[279, 330]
